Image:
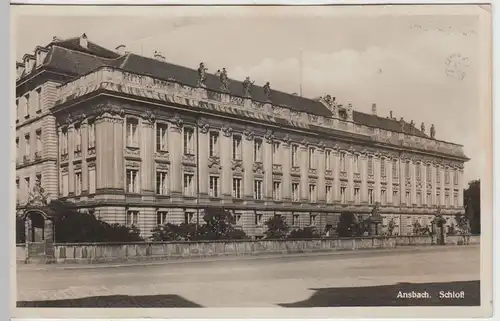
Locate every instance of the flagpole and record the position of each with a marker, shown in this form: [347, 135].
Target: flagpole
[300, 70]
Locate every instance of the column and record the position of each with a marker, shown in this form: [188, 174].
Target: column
[104, 153]
[71, 157]
[85, 144]
[118, 153]
[304, 174]
[321, 175]
[402, 182]
[434, 184]
[460, 188]
[442, 180]
[413, 175]
[388, 174]
[175, 145]
[268, 166]
[225, 160]
[203, 159]
[286, 165]
[247, 142]
[364, 178]
[147, 147]
[350, 177]
[376, 174]
[336, 175]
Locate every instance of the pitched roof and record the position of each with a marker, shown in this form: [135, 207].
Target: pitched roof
[92, 48]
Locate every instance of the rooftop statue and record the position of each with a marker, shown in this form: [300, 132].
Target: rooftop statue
[202, 75]
[402, 124]
[433, 131]
[422, 127]
[267, 90]
[247, 87]
[224, 80]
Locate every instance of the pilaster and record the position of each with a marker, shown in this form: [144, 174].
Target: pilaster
[460, 188]
[442, 185]
[377, 173]
[286, 165]
[203, 147]
[71, 157]
[336, 176]
[413, 177]
[175, 149]
[434, 185]
[304, 174]
[85, 144]
[388, 174]
[147, 147]
[364, 177]
[349, 158]
[268, 166]
[321, 175]
[247, 142]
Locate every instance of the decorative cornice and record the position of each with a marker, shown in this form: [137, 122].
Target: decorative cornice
[103, 109]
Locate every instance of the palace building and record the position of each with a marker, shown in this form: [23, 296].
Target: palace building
[138, 140]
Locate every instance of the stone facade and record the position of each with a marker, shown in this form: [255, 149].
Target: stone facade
[139, 150]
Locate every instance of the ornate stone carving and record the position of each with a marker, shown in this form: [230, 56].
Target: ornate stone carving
[103, 109]
[237, 165]
[295, 170]
[269, 137]
[202, 75]
[267, 91]
[321, 145]
[149, 116]
[249, 135]
[162, 166]
[277, 168]
[162, 156]
[38, 197]
[312, 172]
[224, 80]
[188, 159]
[176, 122]
[287, 140]
[258, 168]
[214, 162]
[247, 87]
[402, 125]
[203, 126]
[227, 130]
[132, 164]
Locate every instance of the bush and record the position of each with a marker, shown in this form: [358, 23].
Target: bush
[304, 233]
[349, 225]
[277, 227]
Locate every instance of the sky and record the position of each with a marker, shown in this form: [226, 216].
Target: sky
[421, 65]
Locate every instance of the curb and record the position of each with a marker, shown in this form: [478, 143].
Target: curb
[76, 266]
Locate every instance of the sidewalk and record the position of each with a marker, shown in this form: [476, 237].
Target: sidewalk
[354, 253]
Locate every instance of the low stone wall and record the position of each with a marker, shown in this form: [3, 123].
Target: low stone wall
[109, 252]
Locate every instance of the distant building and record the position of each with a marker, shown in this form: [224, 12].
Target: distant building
[130, 138]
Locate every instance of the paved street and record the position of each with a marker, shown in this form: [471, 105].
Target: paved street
[295, 281]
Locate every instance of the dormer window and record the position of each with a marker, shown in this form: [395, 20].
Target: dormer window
[20, 69]
[84, 41]
[40, 57]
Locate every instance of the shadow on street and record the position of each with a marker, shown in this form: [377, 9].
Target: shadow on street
[387, 295]
[114, 301]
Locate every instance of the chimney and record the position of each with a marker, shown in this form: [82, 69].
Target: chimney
[390, 114]
[121, 50]
[83, 41]
[374, 109]
[158, 56]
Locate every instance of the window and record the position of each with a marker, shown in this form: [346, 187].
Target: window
[395, 196]
[39, 145]
[188, 217]
[38, 179]
[328, 160]
[17, 110]
[311, 159]
[455, 200]
[357, 195]
[257, 189]
[78, 183]
[277, 191]
[429, 173]
[370, 165]
[438, 198]
[237, 186]
[356, 163]
[27, 111]
[370, 196]
[65, 184]
[446, 176]
[27, 147]
[39, 101]
[258, 219]
[295, 220]
[329, 194]
[382, 167]
[132, 181]
[295, 155]
[64, 141]
[447, 200]
[92, 180]
[237, 219]
[214, 186]
[419, 199]
[236, 147]
[342, 162]
[408, 199]
[91, 134]
[18, 190]
[312, 219]
[188, 184]
[342, 194]
[295, 192]
[132, 218]
[17, 148]
[455, 177]
[214, 144]
[429, 199]
[188, 141]
[312, 193]
[132, 132]
[276, 153]
[27, 185]
[395, 169]
[78, 138]
[418, 169]
[161, 183]
[257, 150]
[438, 175]
[407, 169]
[161, 218]
[161, 137]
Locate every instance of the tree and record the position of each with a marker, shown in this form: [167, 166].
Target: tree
[472, 202]
[463, 225]
[72, 226]
[307, 232]
[277, 227]
[349, 225]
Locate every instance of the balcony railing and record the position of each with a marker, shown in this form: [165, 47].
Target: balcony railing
[118, 80]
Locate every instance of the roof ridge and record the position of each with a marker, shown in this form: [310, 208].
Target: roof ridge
[86, 53]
